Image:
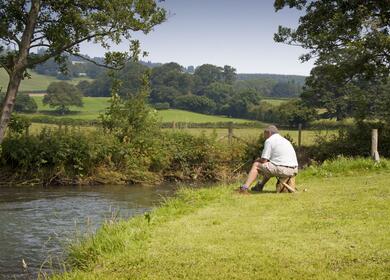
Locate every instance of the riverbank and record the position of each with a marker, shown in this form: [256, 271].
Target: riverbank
[337, 228]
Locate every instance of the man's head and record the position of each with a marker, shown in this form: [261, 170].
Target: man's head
[270, 130]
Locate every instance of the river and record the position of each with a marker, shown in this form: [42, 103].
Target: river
[36, 224]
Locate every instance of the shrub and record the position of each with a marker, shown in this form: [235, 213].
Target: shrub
[354, 140]
[23, 103]
[161, 106]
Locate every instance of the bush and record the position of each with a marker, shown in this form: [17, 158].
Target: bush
[200, 157]
[19, 124]
[69, 153]
[354, 140]
[23, 104]
[161, 106]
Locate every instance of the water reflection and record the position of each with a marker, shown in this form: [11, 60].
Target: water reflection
[37, 223]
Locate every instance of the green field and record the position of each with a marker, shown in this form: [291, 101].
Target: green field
[335, 227]
[94, 106]
[274, 101]
[307, 138]
[36, 83]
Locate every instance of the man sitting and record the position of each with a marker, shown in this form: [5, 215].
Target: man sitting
[277, 159]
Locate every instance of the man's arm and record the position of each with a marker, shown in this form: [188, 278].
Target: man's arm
[266, 154]
[262, 160]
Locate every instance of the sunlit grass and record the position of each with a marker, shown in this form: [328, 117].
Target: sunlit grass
[275, 101]
[37, 81]
[336, 229]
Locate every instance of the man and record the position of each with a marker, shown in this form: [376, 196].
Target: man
[277, 159]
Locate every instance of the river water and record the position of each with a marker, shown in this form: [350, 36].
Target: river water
[36, 224]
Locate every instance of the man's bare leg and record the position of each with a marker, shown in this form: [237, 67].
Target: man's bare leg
[260, 185]
[252, 176]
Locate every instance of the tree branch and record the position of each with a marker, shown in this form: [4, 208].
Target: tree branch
[67, 47]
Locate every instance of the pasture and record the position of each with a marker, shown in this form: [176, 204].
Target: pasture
[37, 82]
[275, 101]
[94, 106]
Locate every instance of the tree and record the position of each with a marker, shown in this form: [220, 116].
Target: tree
[295, 112]
[207, 74]
[62, 95]
[229, 74]
[61, 26]
[351, 43]
[23, 103]
[353, 35]
[195, 103]
[286, 89]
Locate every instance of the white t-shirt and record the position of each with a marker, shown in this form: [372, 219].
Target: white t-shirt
[279, 151]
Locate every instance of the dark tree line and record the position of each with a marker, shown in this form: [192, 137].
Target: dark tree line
[209, 89]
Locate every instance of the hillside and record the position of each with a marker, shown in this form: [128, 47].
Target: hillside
[94, 106]
[36, 83]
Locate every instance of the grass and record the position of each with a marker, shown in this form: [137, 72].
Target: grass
[308, 136]
[275, 101]
[37, 81]
[185, 116]
[94, 106]
[337, 229]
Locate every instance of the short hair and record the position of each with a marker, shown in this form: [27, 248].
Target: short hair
[271, 129]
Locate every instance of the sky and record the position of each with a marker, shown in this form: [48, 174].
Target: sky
[238, 33]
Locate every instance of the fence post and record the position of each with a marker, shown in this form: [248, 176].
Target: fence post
[173, 125]
[299, 134]
[374, 145]
[230, 132]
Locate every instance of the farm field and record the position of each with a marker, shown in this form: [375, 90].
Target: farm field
[94, 106]
[36, 83]
[275, 101]
[308, 136]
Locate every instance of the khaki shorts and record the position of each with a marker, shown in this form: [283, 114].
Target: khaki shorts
[269, 169]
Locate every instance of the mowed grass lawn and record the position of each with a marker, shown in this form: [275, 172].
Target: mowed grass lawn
[337, 229]
[37, 81]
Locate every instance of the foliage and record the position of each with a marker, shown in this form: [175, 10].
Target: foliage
[195, 103]
[352, 141]
[60, 27]
[350, 42]
[19, 124]
[23, 103]
[62, 95]
[56, 154]
[295, 112]
[161, 106]
[286, 89]
[354, 35]
[291, 113]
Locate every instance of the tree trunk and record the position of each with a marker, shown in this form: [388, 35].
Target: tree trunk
[9, 102]
[17, 70]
